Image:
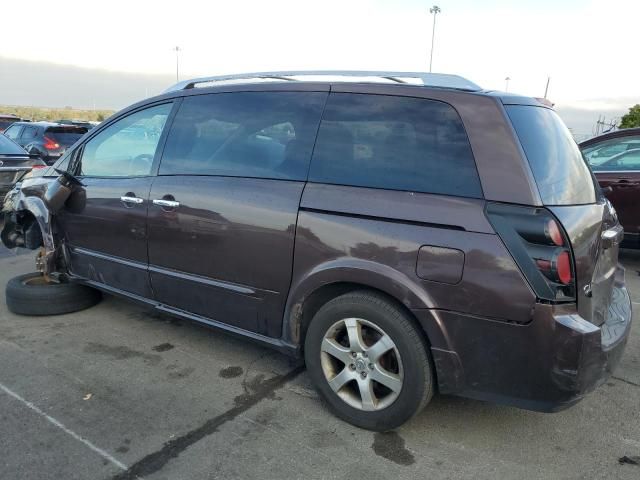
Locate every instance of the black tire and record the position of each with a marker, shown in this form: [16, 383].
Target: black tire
[418, 384]
[29, 294]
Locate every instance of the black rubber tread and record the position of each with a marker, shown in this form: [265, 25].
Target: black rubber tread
[418, 387]
[48, 299]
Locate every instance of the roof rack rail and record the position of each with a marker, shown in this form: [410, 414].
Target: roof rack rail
[440, 80]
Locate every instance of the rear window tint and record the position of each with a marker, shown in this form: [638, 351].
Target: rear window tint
[562, 175]
[65, 135]
[395, 143]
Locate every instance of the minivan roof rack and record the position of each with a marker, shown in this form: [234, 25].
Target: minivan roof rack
[440, 80]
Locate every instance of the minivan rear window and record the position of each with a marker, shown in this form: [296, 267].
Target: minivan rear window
[562, 175]
[65, 136]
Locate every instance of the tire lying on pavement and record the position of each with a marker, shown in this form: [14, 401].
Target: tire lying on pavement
[31, 294]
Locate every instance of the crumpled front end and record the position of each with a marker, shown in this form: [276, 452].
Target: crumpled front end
[27, 217]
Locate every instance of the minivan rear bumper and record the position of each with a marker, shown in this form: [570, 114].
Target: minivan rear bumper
[546, 365]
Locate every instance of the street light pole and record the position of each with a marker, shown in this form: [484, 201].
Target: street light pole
[177, 63]
[435, 10]
[506, 84]
[546, 89]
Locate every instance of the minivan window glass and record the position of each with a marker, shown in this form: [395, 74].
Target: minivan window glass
[248, 134]
[126, 147]
[562, 175]
[397, 143]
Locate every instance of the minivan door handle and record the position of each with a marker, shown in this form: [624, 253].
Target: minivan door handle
[131, 200]
[166, 203]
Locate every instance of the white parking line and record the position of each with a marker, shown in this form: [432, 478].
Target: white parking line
[55, 422]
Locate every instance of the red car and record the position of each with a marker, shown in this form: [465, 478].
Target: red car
[615, 160]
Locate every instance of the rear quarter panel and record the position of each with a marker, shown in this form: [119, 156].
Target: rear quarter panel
[373, 238]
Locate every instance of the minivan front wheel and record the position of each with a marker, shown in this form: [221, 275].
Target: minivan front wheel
[368, 361]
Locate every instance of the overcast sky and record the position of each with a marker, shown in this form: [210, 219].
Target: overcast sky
[586, 47]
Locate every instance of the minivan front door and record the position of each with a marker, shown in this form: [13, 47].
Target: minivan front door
[105, 223]
[224, 206]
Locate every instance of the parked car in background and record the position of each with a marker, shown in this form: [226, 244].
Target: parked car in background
[615, 160]
[7, 120]
[15, 163]
[48, 140]
[402, 238]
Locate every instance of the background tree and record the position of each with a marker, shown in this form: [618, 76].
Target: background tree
[631, 119]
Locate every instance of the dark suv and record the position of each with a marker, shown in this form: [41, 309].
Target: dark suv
[405, 233]
[45, 139]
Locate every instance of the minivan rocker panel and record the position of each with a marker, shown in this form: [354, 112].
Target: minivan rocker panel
[376, 209]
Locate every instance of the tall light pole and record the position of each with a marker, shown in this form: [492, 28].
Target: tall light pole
[546, 89]
[506, 84]
[177, 63]
[435, 10]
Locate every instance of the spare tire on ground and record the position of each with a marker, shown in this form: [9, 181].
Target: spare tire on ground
[32, 294]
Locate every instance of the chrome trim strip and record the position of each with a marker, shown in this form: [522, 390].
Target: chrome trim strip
[241, 289]
[110, 258]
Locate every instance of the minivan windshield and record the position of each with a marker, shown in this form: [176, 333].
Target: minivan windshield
[562, 175]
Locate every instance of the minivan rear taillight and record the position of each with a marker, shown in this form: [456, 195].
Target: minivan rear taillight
[540, 247]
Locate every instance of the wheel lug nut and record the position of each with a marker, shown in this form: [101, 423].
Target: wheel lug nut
[352, 366]
[363, 374]
[354, 354]
[371, 366]
[364, 354]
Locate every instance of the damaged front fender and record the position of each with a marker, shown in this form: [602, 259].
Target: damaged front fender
[28, 216]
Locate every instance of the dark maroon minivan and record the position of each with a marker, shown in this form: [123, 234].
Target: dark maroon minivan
[404, 233]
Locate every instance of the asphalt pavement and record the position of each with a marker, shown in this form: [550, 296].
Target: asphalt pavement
[118, 392]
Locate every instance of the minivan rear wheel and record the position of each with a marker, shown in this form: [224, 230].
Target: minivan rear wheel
[368, 361]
